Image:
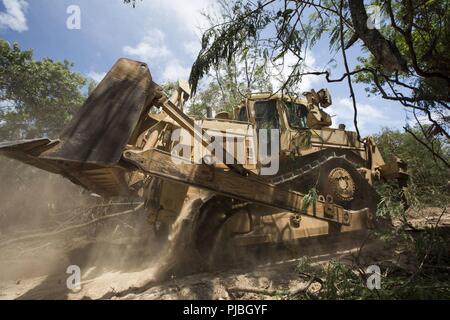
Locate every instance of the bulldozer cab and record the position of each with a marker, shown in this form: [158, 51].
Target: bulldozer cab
[276, 111]
[297, 115]
[288, 115]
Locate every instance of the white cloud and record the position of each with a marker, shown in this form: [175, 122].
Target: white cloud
[152, 46]
[96, 76]
[175, 71]
[170, 48]
[309, 81]
[153, 50]
[370, 118]
[192, 48]
[186, 14]
[366, 111]
[14, 17]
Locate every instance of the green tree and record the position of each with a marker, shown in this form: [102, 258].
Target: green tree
[226, 88]
[428, 176]
[406, 60]
[37, 97]
[228, 82]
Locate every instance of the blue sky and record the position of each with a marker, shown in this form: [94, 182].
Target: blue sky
[166, 35]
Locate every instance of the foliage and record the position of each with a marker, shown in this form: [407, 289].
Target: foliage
[309, 199]
[304, 265]
[169, 87]
[228, 82]
[420, 30]
[349, 281]
[240, 38]
[37, 97]
[428, 176]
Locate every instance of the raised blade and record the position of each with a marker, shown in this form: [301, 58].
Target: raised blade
[104, 125]
[28, 151]
[90, 148]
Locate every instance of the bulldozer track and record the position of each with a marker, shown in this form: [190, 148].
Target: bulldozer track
[308, 168]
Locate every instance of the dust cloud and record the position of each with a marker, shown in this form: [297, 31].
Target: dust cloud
[116, 256]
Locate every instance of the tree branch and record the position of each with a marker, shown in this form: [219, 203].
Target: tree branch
[347, 70]
[71, 228]
[384, 51]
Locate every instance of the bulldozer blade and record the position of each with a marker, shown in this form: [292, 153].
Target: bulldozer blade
[102, 128]
[27, 151]
[90, 148]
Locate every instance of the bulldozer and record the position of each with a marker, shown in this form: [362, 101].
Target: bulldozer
[287, 173]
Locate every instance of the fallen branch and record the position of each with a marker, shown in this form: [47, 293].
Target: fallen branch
[271, 292]
[71, 228]
[304, 289]
[267, 292]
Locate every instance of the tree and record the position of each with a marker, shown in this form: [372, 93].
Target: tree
[228, 82]
[37, 98]
[428, 176]
[406, 61]
[226, 88]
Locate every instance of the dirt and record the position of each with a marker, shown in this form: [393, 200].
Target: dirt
[141, 282]
[135, 269]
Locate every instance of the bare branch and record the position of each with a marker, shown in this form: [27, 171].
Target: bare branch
[70, 228]
[347, 70]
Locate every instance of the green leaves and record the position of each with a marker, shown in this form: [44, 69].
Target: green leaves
[225, 40]
[284, 13]
[309, 199]
[428, 178]
[41, 95]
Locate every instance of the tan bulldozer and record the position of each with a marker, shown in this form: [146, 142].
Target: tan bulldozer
[272, 171]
